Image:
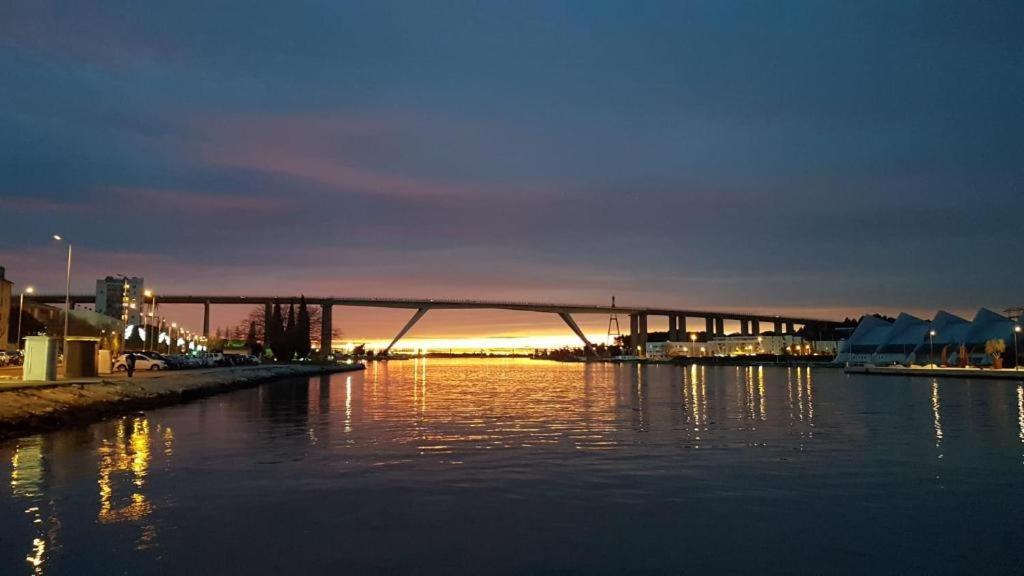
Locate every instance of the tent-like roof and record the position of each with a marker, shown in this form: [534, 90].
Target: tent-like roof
[988, 325]
[904, 336]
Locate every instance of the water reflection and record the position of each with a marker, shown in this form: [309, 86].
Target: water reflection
[27, 485]
[128, 454]
[507, 429]
[1020, 414]
[800, 397]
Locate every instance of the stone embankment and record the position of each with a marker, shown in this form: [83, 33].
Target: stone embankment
[30, 408]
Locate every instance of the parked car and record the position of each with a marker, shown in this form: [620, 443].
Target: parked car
[142, 362]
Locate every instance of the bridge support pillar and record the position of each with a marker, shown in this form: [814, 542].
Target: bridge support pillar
[755, 327]
[745, 327]
[777, 328]
[681, 327]
[408, 325]
[568, 319]
[326, 328]
[719, 326]
[709, 327]
[206, 319]
[789, 328]
[673, 328]
[634, 327]
[642, 345]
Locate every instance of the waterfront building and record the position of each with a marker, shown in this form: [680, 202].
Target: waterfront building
[901, 340]
[947, 339]
[115, 295]
[742, 345]
[5, 311]
[657, 350]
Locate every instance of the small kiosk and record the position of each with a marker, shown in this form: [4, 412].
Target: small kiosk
[80, 357]
[40, 359]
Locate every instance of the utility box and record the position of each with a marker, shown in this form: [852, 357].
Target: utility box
[40, 359]
[80, 357]
[104, 362]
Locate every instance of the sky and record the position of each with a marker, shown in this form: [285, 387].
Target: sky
[826, 158]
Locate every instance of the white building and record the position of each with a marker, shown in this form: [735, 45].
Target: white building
[943, 340]
[113, 295]
[744, 345]
[657, 349]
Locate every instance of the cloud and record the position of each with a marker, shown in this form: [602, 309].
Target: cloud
[193, 202]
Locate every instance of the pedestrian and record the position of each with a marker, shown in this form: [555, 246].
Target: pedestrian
[130, 364]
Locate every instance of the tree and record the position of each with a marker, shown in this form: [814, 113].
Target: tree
[287, 345]
[275, 333]
[303, 346]
[995, 348]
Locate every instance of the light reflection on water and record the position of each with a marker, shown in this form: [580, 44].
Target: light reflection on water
[513, 466]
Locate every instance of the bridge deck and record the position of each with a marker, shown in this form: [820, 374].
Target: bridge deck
[451, 304]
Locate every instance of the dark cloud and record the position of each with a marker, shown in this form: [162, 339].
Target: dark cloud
[824, 156]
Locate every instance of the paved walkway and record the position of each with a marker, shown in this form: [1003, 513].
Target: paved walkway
[944, 372]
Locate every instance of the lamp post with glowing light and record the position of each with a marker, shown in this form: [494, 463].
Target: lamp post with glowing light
[931, 348]
[171, 336]
[693, 340]
[21, 310]
[151, 310]
[67, 290]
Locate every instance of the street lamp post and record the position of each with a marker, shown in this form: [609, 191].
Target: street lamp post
[67, 290]
[931, 348]
[145, 319]
[21, 310]
[693, 342]
[1016, 355]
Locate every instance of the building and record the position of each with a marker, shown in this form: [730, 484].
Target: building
[657, 349]
[5, 311]
[946, 340]
[115, 295]
[742, 345]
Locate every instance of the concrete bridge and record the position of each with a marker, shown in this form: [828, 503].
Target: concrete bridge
[714, 321]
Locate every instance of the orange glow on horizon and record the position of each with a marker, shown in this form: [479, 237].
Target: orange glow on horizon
[465, 344]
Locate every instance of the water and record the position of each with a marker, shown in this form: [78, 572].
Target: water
[522, 467]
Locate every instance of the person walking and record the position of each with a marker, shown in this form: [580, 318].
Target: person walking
[130, 364]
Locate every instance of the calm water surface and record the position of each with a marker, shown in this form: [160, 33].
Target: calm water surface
[524, 467]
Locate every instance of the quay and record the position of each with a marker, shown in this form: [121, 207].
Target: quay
[30, 407]
[939, 372]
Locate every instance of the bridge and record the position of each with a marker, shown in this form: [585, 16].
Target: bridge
[714, 321]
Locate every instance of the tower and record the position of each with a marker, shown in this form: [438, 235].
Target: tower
[613, 319]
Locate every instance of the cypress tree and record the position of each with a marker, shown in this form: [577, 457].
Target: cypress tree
[303, 346]
[275, 332]
[288, 339]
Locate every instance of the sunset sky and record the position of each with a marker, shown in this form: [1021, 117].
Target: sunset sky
[831, 158]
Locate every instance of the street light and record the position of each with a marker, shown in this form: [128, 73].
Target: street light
[21, 310]
[67, 289]
[931, 350]
[152, 309]
[1016, 355]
